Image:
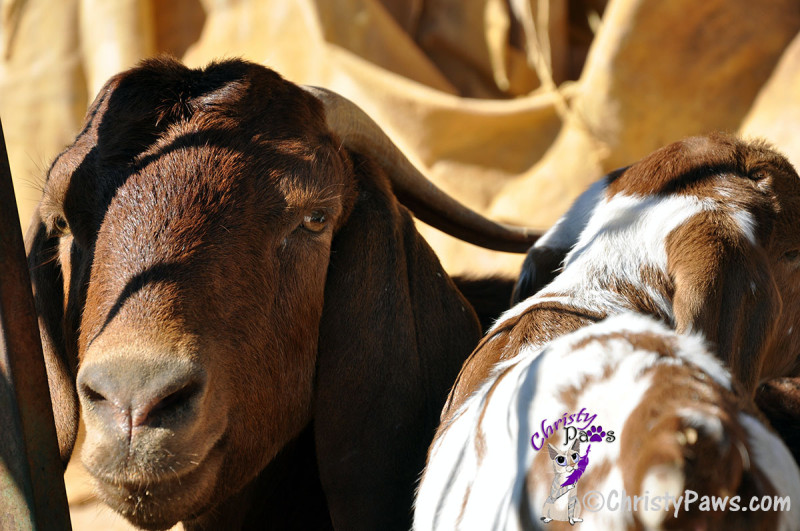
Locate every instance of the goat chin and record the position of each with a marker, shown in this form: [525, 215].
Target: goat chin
[659, 301]
[240, 308]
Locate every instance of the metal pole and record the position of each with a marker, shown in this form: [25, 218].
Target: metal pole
[32, 495]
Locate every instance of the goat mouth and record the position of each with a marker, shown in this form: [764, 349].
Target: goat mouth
[160, 500]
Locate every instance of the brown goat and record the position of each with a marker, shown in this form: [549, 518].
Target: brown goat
[255, 331]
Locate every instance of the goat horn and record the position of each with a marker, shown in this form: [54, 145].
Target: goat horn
[428, 203]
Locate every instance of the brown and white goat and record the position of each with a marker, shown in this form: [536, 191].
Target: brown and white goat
[255, 331]
[669, 430]
[700, 235]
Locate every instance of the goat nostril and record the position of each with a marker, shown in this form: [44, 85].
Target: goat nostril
[167, 405]
[121, 397]
[178, 398]
[91, 395]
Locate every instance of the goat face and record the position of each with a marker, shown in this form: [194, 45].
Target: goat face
[727, 263]
[193, 223]
[205, 255]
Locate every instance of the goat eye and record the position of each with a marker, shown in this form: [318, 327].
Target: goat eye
[792, 255]
[315, 221]
[61, 226]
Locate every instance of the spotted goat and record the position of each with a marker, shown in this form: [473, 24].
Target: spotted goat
[675, 299]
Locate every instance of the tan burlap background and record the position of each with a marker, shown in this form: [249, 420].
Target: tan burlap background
[512, 106]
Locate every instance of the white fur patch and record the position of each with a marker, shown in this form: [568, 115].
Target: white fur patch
[693, 349]
[622, 236]
[564, 233]
[606, 375]
[746, 223]
[521, 393]
[661, 480]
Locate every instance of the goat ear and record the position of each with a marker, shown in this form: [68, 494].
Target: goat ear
[724, 288]
[48, 290]
[540, 267]
[545, 258]
[394, 333]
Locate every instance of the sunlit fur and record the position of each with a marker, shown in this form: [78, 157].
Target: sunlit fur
[256, 329]
[676, 414]
[698, 236]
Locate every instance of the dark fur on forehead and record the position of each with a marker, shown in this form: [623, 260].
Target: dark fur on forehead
[161, 107]
[231, 94]
[687, 165]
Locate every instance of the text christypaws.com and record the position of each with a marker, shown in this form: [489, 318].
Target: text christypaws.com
[595, 501]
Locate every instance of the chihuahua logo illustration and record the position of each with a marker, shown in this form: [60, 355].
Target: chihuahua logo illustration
[568, 465]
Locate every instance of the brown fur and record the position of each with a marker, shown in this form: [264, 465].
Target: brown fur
[320, 358]
[779, 400]
[537, 325]
[709, 466]
[712, 267]
[743, 297]
[689, 166]
[653, 435]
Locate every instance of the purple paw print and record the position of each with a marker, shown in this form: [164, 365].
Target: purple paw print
[596, 434]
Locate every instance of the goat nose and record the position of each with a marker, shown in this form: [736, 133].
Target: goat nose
[125, 394]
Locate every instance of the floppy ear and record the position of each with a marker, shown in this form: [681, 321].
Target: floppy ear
[724, 288]
[60, 361]
[393, 336]
[544, 259]
[540, 267]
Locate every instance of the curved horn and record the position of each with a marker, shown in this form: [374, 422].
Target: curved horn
[430, 204]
